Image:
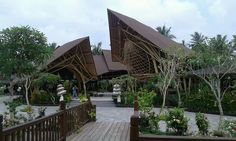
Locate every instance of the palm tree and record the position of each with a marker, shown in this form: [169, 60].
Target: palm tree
[96, 49]
[220, 45]
[165, 31]
[197, 41]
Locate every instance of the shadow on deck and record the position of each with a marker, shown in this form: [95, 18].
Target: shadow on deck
[102, 131]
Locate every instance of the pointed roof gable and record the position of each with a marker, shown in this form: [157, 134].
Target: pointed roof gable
[148, 33]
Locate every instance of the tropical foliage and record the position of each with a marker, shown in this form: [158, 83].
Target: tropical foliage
[97, 49]
[166, 31]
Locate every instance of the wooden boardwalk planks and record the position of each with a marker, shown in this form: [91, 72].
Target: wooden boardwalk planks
[102, 131]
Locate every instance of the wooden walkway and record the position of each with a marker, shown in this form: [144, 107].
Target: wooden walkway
[102, 131]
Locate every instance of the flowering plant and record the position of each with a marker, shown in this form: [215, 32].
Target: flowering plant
[176, 121]
[229, 127]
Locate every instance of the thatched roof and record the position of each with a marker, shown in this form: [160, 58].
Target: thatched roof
[58, 52]
[75, 56]
[118, 21]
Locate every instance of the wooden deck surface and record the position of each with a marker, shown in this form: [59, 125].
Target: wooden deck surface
[102, 131]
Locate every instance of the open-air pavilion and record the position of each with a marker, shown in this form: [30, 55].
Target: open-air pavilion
[74, 57]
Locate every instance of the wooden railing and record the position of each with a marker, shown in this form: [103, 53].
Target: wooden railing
[135, 136]
[54, 127]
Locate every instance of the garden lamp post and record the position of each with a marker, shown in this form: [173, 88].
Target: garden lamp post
[117, 91]
[60, 92]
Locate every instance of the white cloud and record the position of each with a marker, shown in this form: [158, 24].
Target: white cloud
[65, 20]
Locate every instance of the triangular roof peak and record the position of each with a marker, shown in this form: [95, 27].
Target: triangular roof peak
[148, 33]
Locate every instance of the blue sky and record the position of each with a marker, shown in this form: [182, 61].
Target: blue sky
[66, 20]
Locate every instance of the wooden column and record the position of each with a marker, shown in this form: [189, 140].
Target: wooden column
[63, 121]
[1, 128]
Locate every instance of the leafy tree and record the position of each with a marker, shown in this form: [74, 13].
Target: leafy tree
[212, 65]
[22, 51]
[220, 45]
[165, 31]
[169, 66]
[97, 49]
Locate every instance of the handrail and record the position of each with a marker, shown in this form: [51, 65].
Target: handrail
[34, 122]
[54, 127]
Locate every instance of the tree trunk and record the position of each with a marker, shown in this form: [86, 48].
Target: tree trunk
[221, 113]
[84, 86]
[189, 85]
[11, 91]
[27, 83]
[179, 96]
[164, 101]
[185, 87]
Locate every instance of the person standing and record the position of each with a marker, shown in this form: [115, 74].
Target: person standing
[74, 91]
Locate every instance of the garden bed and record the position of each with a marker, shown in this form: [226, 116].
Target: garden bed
[136, 135]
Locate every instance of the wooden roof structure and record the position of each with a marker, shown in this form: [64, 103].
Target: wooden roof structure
[75, 56]
[104, 63]
[137, 45]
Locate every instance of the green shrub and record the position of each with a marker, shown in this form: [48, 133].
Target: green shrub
[92, 114]
[229, 127]
[202, 123]
[103, 85]
[83, 98]
[204, 101]
[46, 82]
[127, 98]
[201, 100]
[145, 101]
[68, 98]
[176, 121]
[229, 103]
[149, 120]
[149, 123]
[42, 97]
[11, 117]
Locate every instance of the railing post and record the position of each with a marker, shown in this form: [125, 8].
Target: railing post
[63, 120]
[134, 130]
[134, 121]
[1, 128]
[136, 103]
